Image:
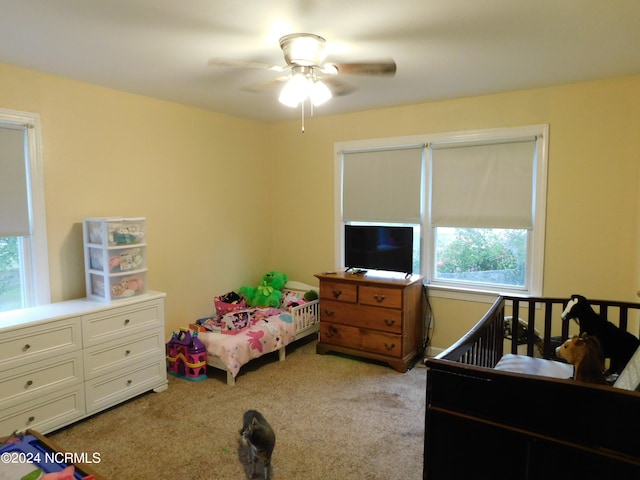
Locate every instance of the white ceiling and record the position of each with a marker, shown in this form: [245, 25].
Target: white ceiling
[443, 48]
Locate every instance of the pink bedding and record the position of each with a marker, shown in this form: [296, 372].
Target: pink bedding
[275, 330]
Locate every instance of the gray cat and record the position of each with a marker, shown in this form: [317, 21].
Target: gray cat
[259, 436]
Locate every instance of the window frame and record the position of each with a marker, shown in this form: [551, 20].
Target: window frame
[34, 249]
[535, 237]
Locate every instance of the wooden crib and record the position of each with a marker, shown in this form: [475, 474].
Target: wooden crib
[487, 423]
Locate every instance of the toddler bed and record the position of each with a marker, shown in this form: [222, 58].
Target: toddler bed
[513, 422]
[271, 329]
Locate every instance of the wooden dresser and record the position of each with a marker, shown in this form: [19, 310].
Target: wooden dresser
[373, 315]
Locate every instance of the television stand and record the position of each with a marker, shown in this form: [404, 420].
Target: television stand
[379, 318]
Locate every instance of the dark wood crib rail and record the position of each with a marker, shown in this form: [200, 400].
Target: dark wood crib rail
[485, 423]
[483, 345]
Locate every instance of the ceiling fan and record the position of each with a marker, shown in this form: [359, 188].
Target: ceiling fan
[310, 77]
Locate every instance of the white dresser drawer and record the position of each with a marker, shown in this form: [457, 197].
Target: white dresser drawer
[119, 322]
[45, 413]
[110, 356]
[40, 378]
[107, 390]
[34, 343]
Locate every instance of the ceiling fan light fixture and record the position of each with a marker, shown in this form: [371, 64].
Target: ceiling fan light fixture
[319, 93]
[295, 91]
[304, 49]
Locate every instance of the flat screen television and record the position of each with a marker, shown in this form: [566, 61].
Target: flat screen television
[378, 247]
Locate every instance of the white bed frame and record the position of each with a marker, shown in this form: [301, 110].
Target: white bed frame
[306, 318]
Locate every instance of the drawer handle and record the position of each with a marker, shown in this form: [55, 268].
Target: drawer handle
[29, 383]
[379, 298]
[389, 347]
[26, 347]
[129, 382]
[337, 293]
[31, 419]
[332, 332]
[389, 323]
[127, 352]
[126, 322]
[329, 313]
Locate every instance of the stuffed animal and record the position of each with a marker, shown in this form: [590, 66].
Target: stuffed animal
[310, 295]
[617, 344]
[268, 293]
[585, 354]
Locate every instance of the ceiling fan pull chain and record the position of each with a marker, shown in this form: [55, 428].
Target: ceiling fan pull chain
[302, 110]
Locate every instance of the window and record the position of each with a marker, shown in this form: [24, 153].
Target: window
[370, 177]
[24, 268]
[482, 203]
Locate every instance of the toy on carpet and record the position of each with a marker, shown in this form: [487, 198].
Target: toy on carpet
[617, 344]
[187, 356]
[268, 293]
[585, 354]
[66, 474]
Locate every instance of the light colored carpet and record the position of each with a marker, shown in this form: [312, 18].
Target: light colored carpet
[335, 417]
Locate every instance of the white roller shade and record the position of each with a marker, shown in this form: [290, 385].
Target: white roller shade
[14, 199]
[483, 185]
[382, 185]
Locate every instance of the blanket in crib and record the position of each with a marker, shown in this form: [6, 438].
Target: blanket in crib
[270, 331]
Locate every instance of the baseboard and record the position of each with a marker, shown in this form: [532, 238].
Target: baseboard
[433, 351]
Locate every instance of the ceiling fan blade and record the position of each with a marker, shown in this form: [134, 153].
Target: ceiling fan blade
[260, 87]
[382, 67]
[227, 62]
[338, 87]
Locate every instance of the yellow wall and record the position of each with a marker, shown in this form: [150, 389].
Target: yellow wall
[592, 203]
[227, 199]
[196, 176]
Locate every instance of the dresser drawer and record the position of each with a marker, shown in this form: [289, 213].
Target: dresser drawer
[108, 390]
[383, 343]
[384, 319]
[45, 413]
[338, 312]
[380, 296]
[119, 322]
[38, 342]
[341, 292]
[40, 378]
[361, 339]
[110, 356]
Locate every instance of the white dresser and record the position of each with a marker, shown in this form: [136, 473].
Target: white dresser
[65, 361]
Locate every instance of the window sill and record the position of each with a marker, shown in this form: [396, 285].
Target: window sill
[466, 294]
